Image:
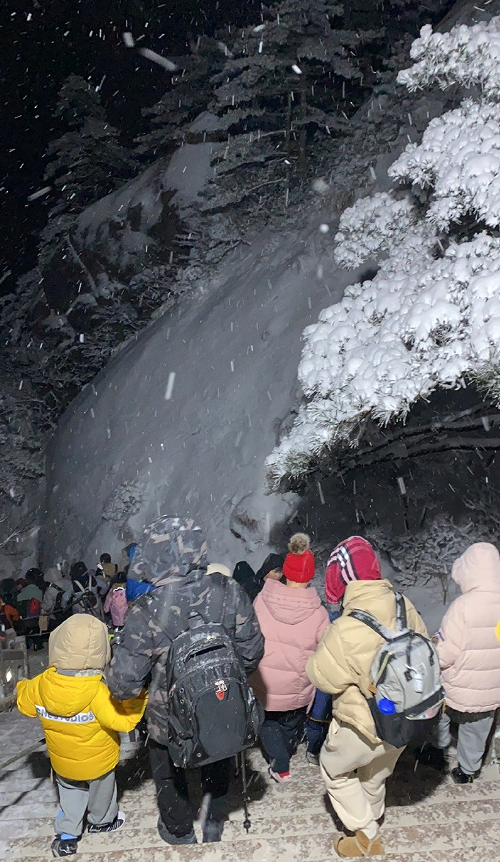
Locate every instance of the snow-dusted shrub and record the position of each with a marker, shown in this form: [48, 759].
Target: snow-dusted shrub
[371, 226]
[469, 56]
[431, 315]
[459, 161]
[428, 554]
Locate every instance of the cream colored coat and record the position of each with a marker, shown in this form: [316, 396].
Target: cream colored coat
[341, 664]
[469, 647]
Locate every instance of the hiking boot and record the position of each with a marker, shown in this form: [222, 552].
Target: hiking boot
[312, 758]
[107, 827]
[358, 846]
[434, 757]
[64, 846]
[280, 777]
[170, 838]
[212, 830]
[461, 777]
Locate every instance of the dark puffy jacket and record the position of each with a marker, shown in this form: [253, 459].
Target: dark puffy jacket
[172, 556]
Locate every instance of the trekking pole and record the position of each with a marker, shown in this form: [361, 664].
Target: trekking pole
[246, 799]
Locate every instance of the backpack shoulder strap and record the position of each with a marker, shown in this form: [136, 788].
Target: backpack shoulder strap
[372, 623]
[217, 602]
[78, 584]
[401, 617]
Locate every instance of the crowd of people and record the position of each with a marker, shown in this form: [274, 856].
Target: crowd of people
[38, 602]
[315, 673]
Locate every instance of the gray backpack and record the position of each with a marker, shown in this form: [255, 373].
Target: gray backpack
[407, 692]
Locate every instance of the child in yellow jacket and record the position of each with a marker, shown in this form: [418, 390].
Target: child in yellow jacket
[81, 722]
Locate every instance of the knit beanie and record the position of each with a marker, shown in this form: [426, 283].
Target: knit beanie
[352, 560]
[299, 563]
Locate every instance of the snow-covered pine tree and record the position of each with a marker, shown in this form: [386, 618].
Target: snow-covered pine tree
[88, 160]
[189, 94]
[430, 318]
[283, 80]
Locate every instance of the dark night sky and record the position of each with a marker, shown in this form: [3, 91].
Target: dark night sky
[41, 43]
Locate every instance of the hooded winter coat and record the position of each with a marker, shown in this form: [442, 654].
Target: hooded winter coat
[469, 645]
[80, 719]
[292, 622]
[342, 663]
[172, 557]
[116, 604]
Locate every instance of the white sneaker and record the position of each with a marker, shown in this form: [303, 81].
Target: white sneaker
[280, 777]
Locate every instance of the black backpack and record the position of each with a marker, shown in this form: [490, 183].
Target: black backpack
[211, 710]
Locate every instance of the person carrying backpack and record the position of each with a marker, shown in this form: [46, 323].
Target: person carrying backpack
[196, 638]
[355, 760]
[82, 594]
[30, 596]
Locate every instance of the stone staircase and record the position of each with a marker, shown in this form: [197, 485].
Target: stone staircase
[428, 818]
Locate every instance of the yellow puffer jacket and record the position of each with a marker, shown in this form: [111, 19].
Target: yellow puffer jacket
[342, 662]
[80, 720]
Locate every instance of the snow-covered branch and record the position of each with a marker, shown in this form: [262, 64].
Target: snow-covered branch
[430, 317]
[468, 56]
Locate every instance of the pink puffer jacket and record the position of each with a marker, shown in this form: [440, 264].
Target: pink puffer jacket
[469, 647]
[292, 622]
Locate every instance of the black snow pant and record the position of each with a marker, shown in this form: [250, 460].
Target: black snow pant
[280, 735]
[172, 790]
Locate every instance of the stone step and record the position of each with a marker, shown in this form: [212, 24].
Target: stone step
[278, 823]
[428, 819]
[459, 840]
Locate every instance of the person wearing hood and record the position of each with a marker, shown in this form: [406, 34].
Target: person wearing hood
[115, 602]
[292, 620]
[468, 646]
[354, 761]
[81, 722]
[172, 556]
